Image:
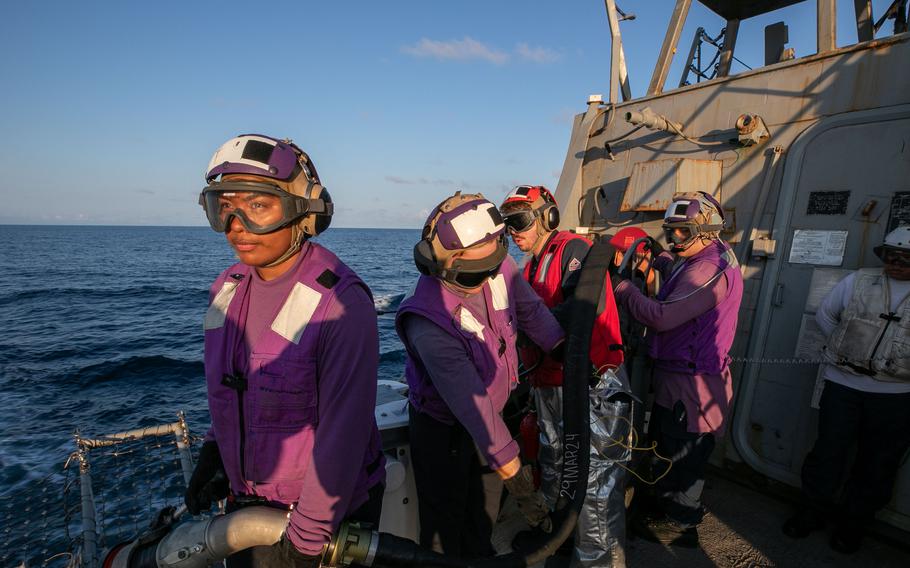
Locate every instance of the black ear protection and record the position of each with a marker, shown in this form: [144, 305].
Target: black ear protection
[549, 217]
[323, 220]
[425, 259]
[315, 191]
[549, 213]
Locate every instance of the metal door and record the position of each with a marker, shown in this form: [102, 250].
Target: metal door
[841, 174]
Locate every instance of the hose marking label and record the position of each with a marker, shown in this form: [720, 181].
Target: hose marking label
[570, 467]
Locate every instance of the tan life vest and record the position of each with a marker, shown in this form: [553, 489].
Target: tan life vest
[870, 339]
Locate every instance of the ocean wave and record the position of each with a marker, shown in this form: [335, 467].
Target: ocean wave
[394, 356]
[155, 367]
[388, 303]
[58, 294]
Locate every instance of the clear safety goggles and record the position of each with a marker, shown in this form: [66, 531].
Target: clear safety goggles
[260, 207]
[677, 234]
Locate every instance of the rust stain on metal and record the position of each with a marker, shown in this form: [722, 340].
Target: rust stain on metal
[653, 183]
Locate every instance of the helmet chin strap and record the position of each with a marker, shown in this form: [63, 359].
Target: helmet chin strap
[297, 238]
[691, 241]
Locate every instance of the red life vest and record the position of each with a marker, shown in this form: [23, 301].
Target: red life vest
[606, 342]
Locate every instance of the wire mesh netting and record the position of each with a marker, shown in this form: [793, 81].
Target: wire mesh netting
[42, 532]
[131, 477]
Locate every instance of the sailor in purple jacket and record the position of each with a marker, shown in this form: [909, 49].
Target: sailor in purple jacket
[691, 324]
[291, 351]
[459, 326]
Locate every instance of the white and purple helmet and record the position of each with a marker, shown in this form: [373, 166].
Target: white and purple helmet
[690, 216]
[460, 222]
[259, 155]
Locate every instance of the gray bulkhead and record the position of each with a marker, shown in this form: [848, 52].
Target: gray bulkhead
[840, 121]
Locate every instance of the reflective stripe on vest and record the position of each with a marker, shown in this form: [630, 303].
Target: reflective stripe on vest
[296, 312]
[544, 267]
[499, 293]
[217, 312]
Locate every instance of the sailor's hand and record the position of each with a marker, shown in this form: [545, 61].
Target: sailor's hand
[617, 280]
[208, 484]
[529, 499]
[287, 555]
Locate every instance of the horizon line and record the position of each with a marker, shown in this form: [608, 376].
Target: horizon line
[5, 224]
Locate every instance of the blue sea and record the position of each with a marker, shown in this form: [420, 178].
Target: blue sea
[102, 332]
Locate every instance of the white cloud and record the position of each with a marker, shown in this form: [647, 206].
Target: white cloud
[399, 180]
[536, 54]
[470, 49]
[423, 181]
[456, 49]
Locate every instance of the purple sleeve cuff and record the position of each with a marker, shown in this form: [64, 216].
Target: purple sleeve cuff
[503, 456]
[622, 288]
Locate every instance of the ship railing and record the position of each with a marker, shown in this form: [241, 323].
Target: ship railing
[112, 487]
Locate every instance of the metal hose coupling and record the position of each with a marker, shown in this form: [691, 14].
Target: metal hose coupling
[201, 543]
[351, 544]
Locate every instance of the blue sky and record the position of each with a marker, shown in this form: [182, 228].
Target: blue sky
[110, 110]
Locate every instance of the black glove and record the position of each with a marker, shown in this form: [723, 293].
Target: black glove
[619, 277]
[654, 247]
[208, 483]
[287, 555]
[529, 500]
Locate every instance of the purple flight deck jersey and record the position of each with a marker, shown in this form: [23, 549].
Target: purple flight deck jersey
[293, 412]
[693, 322]
[485, 327]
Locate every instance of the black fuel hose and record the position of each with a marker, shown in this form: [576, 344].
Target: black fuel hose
[394, 552]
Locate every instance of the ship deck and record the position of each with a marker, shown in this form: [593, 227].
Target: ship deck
[742, 530]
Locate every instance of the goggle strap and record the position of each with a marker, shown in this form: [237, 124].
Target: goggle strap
[304, 206]
[692, 226]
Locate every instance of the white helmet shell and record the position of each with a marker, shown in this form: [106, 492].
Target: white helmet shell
[899, 238]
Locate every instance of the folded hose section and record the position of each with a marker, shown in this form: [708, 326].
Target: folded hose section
[394, 551]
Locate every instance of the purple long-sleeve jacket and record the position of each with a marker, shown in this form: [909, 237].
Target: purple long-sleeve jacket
[692, 323]
[293, 412]
[465, 367]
